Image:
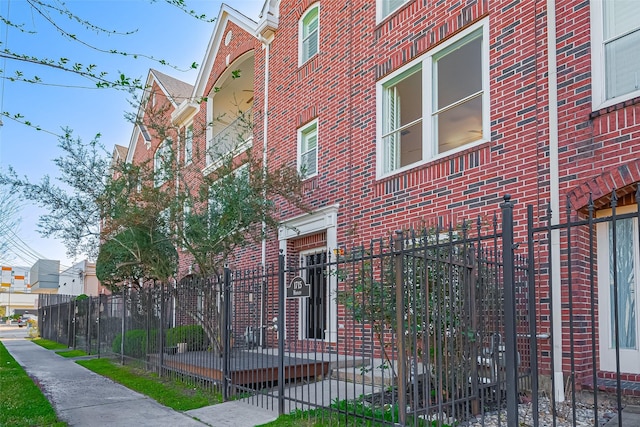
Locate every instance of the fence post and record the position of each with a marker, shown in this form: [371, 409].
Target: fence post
[400, 335]
[88, 342]
[509, 312]
[533, 328]
[162, 332]
[281, 296]
[124, 315]
[226, 351]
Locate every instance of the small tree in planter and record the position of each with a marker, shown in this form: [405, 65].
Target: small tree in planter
[436, 270]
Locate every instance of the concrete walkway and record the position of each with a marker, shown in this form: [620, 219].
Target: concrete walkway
[83, 398]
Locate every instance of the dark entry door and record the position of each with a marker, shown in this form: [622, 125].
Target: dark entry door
[316, 303]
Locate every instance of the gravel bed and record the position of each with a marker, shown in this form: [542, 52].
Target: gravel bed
[584, 415]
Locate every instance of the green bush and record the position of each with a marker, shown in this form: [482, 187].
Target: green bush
[135, 343]
[193, 335]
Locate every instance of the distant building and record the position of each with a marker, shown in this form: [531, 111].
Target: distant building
[80, 279]
[44, 275]
[15, 291]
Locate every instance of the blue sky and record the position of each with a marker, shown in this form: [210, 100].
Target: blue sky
[65, 100]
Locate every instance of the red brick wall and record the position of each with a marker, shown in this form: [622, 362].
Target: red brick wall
[338, 88]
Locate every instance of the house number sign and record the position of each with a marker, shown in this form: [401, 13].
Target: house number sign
[298, 288]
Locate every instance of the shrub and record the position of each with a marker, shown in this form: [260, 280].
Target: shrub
[193, 335]
[135, 343]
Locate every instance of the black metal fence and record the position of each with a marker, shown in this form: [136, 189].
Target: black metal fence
[444, 324]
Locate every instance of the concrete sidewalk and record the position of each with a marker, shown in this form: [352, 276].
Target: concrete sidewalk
[83, 398]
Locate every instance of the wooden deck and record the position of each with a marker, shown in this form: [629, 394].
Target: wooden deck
[246, 367]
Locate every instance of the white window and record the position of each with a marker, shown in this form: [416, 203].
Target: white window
[308, 150]
[162, 162]
[209, 146]
[436, 105]
[387, 7]
[309, 28]
[188, 145]
[627, 278]
[615, 37]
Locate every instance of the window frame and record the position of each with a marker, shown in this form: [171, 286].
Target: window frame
[188, 144]
[307, 129]
[209, 133]
[425, 64]
[598, 62]
[380, 15]
[301, 39]
[165, 145]
[628, 356]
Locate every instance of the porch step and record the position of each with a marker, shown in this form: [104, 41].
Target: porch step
[628, 388]
[367, 373]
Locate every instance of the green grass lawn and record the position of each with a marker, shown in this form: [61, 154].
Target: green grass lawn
[174, 394]
[71, 353]
[49, 345]
[21, 401]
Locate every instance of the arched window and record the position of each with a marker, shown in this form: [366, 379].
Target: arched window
[309, 33]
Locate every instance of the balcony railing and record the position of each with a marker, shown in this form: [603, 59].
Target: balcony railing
[235, 139]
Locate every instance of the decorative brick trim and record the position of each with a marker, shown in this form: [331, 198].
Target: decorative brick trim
[307, 115]
[456, 163]
[614, 107]
[429, 37]
[310, 242]
[620, 178]
[308, 67]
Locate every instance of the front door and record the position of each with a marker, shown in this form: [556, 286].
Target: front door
[316, 316]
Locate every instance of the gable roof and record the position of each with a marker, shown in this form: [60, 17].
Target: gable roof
[120, 152]
[176, 90]
[227, 14]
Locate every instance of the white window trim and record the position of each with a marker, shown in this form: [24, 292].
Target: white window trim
[598, 84]
[323, 219]
[428, 142]
[209, 133]
[188, 153]
[380, 16]
[300, 32]
[301, 132]
[629, 361]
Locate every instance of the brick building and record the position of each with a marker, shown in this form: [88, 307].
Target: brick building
[404, 111]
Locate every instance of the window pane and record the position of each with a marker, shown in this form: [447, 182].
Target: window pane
[389, 6]
[309, 141]
[310, 23]
[459, 125]
[310, 34]
[409, 99]
[188, 145]
[403, 102]
[622, 59]
[403, 147]
[625, 254]
[459, 73]
[308, 163]
[620, 16]
[402, 124]
[310, 47]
